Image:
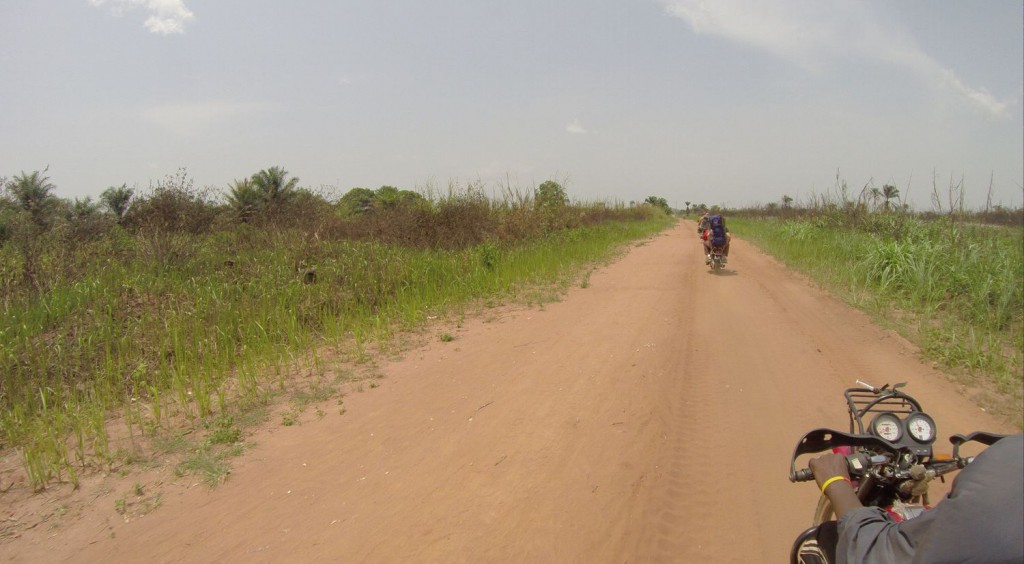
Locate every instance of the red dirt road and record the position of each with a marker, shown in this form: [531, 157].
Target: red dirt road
[648, 417]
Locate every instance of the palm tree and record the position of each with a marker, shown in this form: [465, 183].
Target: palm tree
[876, 195]
[245, 198]
[687, 207]
[32, 192]
[272, 185]
[889, 192]
[116, 200]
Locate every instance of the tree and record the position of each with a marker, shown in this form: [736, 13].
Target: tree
[85, 219]
[660, 203]
[687, 206]
[876, 195]
[116, 199]
[274, 186]
[309, 202]
[889, 192]
[550, 194]
[358, 201]
[787, 200]
[389, 197]
[81, 209]
[8, 214]
[32, 193]
[245, 199]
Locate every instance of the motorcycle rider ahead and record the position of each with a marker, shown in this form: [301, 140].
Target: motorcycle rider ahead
[712, 231]
[702, 222]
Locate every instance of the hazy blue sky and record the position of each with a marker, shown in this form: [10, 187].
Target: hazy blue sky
[731, 102]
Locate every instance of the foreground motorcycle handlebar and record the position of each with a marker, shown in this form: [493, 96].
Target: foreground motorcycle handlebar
[856, 465]
[822, 440]
[888, 473]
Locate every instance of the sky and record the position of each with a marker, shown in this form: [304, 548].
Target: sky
[723, 102]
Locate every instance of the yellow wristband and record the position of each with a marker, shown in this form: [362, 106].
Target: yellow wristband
[829, 481]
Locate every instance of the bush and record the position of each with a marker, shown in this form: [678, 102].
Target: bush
[173, 206]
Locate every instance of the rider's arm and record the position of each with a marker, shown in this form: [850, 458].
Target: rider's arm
[979, 521]
[827, 468]
[870, 535]
[866, 534]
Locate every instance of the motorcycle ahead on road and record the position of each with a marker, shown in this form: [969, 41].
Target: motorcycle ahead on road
[717, 257]
[889, 458]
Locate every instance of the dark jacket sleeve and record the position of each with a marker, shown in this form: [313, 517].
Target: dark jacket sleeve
[981, 520]
[869, 535]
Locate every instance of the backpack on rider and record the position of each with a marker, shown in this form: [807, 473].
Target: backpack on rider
[717, 231]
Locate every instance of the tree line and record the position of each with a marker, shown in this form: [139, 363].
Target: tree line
[43, 237]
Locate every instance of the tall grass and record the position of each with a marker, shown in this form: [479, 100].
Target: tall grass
[955, 288]
[215, 325]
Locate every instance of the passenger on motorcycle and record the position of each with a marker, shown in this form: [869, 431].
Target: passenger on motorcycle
[981, 520]
[703, 222]
[713, 232]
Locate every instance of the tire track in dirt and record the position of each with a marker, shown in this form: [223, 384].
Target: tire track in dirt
[646, 418]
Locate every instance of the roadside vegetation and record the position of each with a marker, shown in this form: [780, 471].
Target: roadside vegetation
[172, 317]
[950, 280]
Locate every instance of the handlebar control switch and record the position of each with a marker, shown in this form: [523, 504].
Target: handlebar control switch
[858, 463]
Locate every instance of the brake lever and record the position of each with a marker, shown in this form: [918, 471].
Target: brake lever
[985, 438]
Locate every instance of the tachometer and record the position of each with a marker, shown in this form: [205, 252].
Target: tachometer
[887, 426]
[921, 427]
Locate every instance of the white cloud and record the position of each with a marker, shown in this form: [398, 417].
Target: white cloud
[769, 26]
[166, 16]
[979, 98]
[576, 128]
[815, 34]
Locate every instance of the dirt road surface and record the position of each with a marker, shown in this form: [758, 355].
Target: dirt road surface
[646, 417]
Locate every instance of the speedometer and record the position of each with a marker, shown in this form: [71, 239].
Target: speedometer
[887, 426]
[921, 427]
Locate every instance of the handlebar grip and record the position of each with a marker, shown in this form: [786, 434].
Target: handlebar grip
[856, 463]
[805, 475]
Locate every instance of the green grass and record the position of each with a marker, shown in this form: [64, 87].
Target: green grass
[955, 289]
[223, 327]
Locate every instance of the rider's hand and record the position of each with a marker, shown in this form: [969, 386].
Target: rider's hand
[840, 491]
[828, 466]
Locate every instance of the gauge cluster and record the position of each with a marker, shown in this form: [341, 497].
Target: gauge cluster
[915, 431]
